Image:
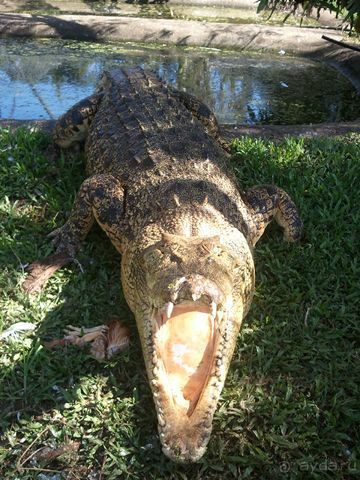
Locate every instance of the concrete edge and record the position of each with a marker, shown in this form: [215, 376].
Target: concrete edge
[301, 41]
[325, 18]
[346, 61]
[244, 4]
[230, 132]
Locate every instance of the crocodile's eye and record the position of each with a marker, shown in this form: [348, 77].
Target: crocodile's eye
[175, 259]
[152, 259]
[221, 260]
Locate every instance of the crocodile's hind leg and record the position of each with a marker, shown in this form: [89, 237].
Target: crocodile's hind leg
[73, 125]
[100, 197]
[201, 111]
[267, 202]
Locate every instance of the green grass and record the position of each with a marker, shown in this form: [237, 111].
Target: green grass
[290, 407]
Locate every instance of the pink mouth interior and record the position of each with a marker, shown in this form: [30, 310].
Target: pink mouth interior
[185, 343]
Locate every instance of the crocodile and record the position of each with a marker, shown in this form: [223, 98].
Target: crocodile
[160, 184]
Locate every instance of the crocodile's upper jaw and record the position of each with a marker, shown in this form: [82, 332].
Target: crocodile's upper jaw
[190, 346]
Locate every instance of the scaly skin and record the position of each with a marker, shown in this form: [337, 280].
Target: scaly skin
[160, 186]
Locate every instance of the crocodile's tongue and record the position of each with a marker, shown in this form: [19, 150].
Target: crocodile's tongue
[185, 344]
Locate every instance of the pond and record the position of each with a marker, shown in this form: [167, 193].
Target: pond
[40, 79]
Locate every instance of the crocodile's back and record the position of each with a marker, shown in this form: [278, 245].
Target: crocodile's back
[141, 128]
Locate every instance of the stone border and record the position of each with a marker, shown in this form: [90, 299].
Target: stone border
[301, 41]
[229, 132]
[279, 132]
[124, 7]
[344, 60]
[11, 5]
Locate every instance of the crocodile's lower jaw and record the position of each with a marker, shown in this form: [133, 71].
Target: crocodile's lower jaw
[187, 375]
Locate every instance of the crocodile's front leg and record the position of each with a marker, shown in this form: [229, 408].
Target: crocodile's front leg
[100, 197]
[267, 202]
[72, 127]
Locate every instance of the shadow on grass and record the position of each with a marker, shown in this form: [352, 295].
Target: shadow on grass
[39, 381]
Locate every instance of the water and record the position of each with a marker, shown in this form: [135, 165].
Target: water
[42, 79]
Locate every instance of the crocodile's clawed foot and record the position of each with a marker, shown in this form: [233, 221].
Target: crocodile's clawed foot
[52, 153]
[53, 235]
[40, 271]
[225, 144]
[63, 241]
[66, 246]
[106, 340]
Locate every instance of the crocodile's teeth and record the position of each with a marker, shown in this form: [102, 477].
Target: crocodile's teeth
[168, 309]
[174, 296]
[161, 421]
[219, 318]
[213, 307]
[195, 296]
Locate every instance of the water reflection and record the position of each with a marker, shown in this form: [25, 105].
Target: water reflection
[42, 79]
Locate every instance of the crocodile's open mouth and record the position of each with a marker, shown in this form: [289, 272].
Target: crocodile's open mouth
[185, 348]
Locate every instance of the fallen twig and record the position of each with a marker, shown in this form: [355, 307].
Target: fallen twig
[21, 462]
[47, 454]
[341, 44]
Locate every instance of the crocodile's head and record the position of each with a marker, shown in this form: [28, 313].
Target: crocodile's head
[191, 294]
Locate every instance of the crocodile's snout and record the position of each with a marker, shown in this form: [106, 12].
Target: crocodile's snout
[184, 451]
[196, 287]
[193, 299]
